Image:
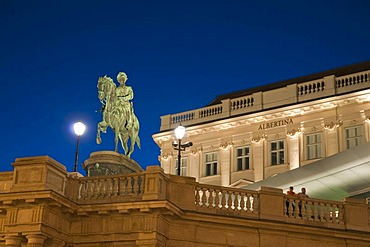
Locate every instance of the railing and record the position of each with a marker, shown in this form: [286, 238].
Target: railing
[241, 103]
[196, 114]
[304, 91]
[353, 79]
[311, 87]
[210, 111]
[183, 117]
[211, 198]
[313, 210]
[128, 187]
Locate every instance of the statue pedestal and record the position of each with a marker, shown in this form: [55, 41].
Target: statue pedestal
[109, 163]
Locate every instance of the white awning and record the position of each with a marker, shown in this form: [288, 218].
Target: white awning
[334, 178]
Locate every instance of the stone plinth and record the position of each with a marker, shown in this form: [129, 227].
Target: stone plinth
[109, 163]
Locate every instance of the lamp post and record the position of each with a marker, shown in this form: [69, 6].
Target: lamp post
[179, 133]
[79, 129]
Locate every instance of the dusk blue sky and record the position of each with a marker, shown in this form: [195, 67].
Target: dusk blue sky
[178, 55]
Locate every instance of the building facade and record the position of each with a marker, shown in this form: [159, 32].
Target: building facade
[248, 136]
[43, 205]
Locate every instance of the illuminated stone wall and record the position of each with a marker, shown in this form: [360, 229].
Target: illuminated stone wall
[52, 207]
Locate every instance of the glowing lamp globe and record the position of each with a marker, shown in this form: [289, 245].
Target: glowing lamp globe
[79, 128]
[180, 132]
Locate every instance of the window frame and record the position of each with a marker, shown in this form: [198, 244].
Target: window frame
[211, 166]
[277, 151]
[357, 138]
[318, 146]
[243, 157]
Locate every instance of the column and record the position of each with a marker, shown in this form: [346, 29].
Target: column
[35, 240]
[13, 240]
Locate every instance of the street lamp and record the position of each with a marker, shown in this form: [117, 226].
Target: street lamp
[79, 129]
[179, 133]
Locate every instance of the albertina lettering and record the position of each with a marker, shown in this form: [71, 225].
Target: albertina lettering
[275, 124]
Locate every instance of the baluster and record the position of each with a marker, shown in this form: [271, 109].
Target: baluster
[340, 214]
[211, 198]
[223, 199]
[229, 200]
[130, 186]
[242, 201]
[140, 185]
[322, 212]
[236, 201]
[135, 185]
[255, 203]
[315, 213]
[82, 190]
[95, 189]
[115, 191]
[103, 189]
[125, 190]
[100, 188]
[296, 208]
[290, 207]
[309, 211]
[217, 199]
[89, 189]
[303, 209]
[248, 203]
[109, 187]
[197, 197]
[327, 212]
[204, 197]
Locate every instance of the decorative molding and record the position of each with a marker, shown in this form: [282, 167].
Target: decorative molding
[225, 145]
[196, 150]
[259, 139]
[293, 132]
[332, 125]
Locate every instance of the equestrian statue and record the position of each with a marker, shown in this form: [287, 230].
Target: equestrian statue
[118, 112]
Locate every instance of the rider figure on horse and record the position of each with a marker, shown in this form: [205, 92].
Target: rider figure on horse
[122, 100]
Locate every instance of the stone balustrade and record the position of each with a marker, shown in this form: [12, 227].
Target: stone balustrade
[128, 187]
[186, 194]
[210, 198]
[294, 93]
[31, 200]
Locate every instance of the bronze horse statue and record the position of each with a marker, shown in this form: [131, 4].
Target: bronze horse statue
[115, 117]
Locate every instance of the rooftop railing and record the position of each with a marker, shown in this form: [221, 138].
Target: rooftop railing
[291, 94]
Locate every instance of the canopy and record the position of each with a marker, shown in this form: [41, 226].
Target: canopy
[341, 175]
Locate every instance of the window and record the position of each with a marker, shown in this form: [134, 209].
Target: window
[211, 164]
[313, 145]
[183, 166]
[242, 158]
[277, 152]
[353, 136]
